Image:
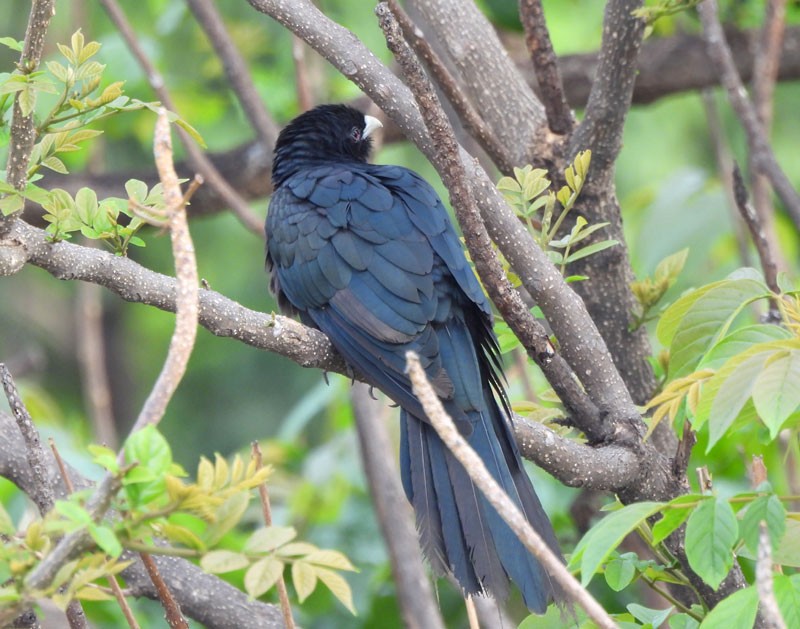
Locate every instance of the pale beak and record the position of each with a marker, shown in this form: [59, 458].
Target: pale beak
[370, 124]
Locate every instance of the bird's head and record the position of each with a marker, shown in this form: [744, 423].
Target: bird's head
[325, 133]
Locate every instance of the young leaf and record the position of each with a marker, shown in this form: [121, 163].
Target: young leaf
[711, 532]
[304, 577]
[105, 538]
[620, 571]
[227, 516]
[269, 538]
[330, 559]
[219, 561]
[776, 392]
[262, 575]
[338, 587]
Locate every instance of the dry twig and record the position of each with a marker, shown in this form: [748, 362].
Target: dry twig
[174, 616]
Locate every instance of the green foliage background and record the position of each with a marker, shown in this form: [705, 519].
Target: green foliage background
[669, 189]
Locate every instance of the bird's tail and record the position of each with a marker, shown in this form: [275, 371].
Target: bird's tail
[459, 530]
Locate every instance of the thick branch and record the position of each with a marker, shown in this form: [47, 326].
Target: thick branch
[612, 88]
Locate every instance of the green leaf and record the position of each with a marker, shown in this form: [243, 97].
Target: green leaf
[6, 523]
[26, 98]
[55, 164]
[591, 249]
[219, 561]
[73, 512]
[787, 593]
[738, 610]
[711, 532]
[149, 449]
[741, 340]
[776, 392]
[673, 517]
[106, 539]
[646, 615]
[262, 575]
[104, 457]
[269, 538]
[620, 571]
[768, 509]
[682, 621]
[304, 577]
[606, 535]
[12, 43]
[706, 320]
[86, 205]
[338, 587]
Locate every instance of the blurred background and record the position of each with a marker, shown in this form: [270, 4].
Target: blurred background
[669, 186]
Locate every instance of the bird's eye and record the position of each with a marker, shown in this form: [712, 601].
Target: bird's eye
[355, 134]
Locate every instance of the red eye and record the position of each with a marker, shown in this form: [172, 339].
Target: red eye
[355, 134]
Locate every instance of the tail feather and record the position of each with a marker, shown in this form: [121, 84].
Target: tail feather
[458, 527]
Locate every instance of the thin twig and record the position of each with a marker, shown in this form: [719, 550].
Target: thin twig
[766, 61]
[489, 487]
[761, 151]
[122, 602]
[23, 132]
[182, 342]
[537, 37]
[41, 493]
[757, 232]
[199, 160]
[473, 123]
[395, 518]
[240, 78]
[301, 78]
[174, 616]
[283, 595]
[68, 486]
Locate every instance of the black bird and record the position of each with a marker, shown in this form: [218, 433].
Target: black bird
[367, 254]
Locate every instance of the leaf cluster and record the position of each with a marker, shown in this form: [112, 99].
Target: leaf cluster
[717, 531]
[159, 512]
[528, 193]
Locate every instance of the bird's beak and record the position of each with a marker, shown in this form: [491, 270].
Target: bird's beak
[370, 124]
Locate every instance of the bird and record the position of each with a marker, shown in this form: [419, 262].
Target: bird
[367, 254]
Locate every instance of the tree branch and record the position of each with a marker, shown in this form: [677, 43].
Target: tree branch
[236, 71]
[761, 152]
[197, 158]
[416, 601]
[545, 63]
[23, 133]
[612, 88]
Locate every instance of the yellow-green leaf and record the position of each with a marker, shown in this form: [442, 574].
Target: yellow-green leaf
[218, 561]
[338, 587]
[304, 577]
[262, 575]
[269, 538]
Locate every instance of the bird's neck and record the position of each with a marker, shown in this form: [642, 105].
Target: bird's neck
[290, 159]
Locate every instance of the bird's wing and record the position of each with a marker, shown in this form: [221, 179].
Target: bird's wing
[371, 266]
